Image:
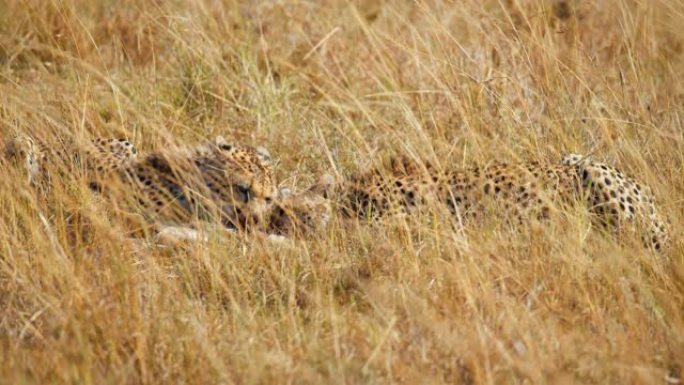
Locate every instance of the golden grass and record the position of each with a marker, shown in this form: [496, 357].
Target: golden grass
[332, 86]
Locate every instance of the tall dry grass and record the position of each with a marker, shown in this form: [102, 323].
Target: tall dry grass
[334, 86]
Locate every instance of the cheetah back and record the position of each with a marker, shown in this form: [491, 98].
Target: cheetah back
[97, 158]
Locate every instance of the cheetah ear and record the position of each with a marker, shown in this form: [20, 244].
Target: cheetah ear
[264, 155]
[223, 144]
[574, 159]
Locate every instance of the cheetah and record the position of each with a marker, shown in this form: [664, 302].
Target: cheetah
[229, 182]
[518, 191]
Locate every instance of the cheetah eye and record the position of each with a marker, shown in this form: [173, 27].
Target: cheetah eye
[244, 191]
[268, 199]
[225, 147]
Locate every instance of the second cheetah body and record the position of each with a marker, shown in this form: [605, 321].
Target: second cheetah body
[517, 191]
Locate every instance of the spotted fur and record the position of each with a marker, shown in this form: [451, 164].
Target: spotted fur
[618, 199]
[517, 192]
[97, 158]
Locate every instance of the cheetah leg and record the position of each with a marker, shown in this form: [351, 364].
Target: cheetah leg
[171, 236]
[175, 235]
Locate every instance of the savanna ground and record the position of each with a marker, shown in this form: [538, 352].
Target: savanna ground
[335, 86]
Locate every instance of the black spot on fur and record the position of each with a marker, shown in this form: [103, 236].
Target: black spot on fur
[94, 186]
[410, 198]
[545, 212]
[159, 163]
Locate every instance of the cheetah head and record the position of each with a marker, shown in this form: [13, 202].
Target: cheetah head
[248, 174]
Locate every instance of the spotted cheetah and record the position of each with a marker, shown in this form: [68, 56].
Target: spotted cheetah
[518, 192]
[229, 182]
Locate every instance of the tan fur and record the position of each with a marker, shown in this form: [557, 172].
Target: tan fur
[518, 192]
